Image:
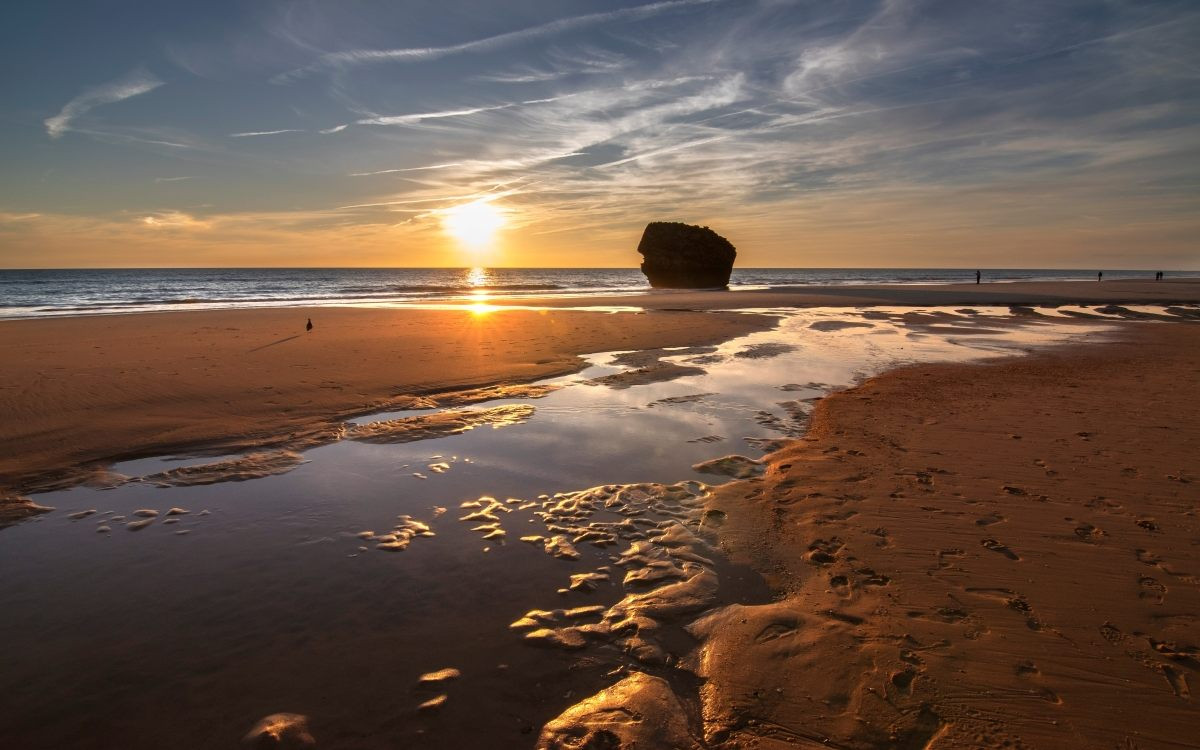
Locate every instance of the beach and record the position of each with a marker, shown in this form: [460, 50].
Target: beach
[932, 516]
[626, 375]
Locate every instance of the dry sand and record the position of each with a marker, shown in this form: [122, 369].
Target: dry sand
[975, 556]
[89, 390]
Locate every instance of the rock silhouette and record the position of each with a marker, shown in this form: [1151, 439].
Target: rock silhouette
[685, 256]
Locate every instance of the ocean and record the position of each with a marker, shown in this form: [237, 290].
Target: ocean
[45, 293]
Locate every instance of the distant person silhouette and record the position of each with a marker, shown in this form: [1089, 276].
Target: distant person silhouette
[1099, 276]
[1158, 276]
[977, 277]
[309, 326]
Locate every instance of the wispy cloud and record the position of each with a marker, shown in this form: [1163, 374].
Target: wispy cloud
[255, 134]
[173, 220]
[413, 119]
[138, 135]
[560, 64]
[6, 217]
[487, 44]
[138, 81]
[448, 165]
[174, 179]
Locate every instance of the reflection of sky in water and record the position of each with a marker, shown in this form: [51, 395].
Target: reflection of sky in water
[268, 605]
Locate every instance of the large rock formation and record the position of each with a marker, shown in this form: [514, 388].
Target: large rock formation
[684, 256]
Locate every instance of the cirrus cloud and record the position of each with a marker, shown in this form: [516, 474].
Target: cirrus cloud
[136, 82]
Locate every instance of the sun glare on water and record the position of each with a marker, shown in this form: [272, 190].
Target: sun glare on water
[478, 279]
[474, 224]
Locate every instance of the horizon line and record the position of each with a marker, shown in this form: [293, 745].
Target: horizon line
[1089, 269]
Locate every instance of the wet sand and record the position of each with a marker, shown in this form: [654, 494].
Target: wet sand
[76, 392]
[997, 555]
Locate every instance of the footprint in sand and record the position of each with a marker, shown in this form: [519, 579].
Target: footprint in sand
[1111, 633]
[1177, 680]
[903, 680]
[943, 554]
[1146, 557]
[951, 614]
[871, 578]
[1088, 533]
[1103, 503]
[1150, 588]
[1019, 603]
[822, 552]
[990, 519]
[996, 546]
[841, 586]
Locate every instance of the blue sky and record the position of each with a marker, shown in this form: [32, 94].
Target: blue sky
[848, 132]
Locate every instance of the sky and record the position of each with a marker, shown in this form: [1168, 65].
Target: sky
[811, 133]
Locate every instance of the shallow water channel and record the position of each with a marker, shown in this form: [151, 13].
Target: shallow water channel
[268, 595]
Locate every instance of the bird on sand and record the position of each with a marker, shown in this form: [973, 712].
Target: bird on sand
[309, 326]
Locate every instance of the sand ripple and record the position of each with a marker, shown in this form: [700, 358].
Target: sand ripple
[493, 393]
[250, 466]
[738, 467]
[409, 429]
[667, 567]
[406, 529]
[14, 508]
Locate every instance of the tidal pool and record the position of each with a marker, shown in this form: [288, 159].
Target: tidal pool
[329, 587]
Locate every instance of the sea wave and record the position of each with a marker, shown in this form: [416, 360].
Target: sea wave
[452, 288]
[38, 293]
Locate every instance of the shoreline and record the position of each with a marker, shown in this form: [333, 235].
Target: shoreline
[998, 293]
[1031, 293]
[977, 554]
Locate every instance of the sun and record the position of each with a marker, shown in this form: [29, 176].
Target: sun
[474, 224]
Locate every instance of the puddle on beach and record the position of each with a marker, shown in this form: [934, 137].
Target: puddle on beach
[180, 614]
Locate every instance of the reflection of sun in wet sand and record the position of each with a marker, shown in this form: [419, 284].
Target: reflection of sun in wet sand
[478, 279]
